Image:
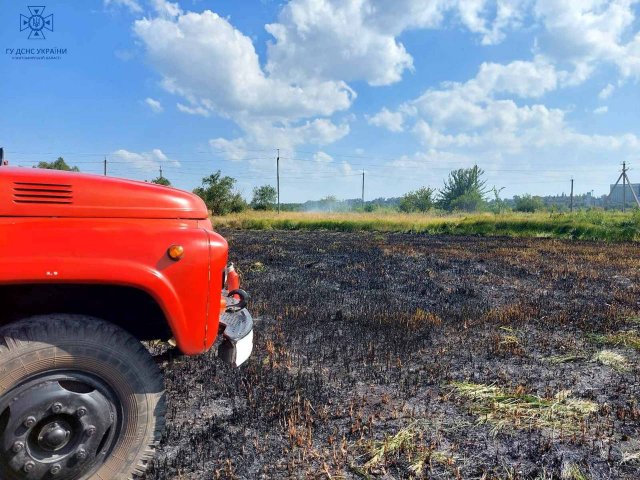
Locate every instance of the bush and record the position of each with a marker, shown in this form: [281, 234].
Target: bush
[419, 201]
[464, 190]
[264, 198]
[528, 203]
[217, 193]
[161, 181]
[58, 164]
[471, 201]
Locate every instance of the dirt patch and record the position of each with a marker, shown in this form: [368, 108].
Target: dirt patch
[363, 341]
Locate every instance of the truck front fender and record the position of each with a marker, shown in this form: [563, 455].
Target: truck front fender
[132, 254]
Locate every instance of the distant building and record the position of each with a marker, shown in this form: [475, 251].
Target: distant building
[580, 200]
[615, 195]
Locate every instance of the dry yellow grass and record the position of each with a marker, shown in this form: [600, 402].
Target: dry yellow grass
[581, 225]
[517, 409]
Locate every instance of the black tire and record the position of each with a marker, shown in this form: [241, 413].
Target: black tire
[74, 360]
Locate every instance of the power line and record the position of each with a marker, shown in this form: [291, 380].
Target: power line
[115, 164]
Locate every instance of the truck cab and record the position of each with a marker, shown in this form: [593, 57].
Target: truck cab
[90, 267]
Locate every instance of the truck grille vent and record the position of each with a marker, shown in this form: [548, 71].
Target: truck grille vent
[43, 193]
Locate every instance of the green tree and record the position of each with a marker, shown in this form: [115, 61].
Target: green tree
[219, 196]
[161, 181]
[497, 204]
[58, 164]
[528, 203]
[464, 190]
[264, 197]
[420, 200]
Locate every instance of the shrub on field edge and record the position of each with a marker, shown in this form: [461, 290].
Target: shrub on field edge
[217, 193]
[528, 203]
[420, 200]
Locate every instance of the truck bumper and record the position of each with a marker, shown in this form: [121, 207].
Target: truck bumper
[237, 342]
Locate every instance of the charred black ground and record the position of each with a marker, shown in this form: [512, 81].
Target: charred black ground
[362, 341]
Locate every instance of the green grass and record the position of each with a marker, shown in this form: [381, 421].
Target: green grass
[592, 225]
[629, 338]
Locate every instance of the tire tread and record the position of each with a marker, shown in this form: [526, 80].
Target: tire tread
[54, 327]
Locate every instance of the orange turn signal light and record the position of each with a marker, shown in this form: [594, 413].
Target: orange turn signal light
[175, 252]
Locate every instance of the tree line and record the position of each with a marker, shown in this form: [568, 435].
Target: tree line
[464, 189]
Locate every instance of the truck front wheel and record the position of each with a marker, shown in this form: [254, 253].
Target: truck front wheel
[80, 398]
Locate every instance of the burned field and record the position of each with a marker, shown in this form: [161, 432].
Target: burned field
[410, 356]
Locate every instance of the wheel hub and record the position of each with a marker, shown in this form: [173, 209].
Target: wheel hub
[61, 425]
[54, 436]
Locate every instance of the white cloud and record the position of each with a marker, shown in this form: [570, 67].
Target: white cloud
[392, 121]
[267, 135]
[431, 160]
[322, 157]
[234, 150]
[215, 69]
[296, 94]
[166, 8]
[591, 32]
[521, 78]
[319, 131]
[606, 92]
[346, 168]
[197, 110]
[148, 161]
[154, 105]
[601, 110]
[132, 5]
[213, 66]
[357, 40]
[472, 119]
[329, 40]
[461, 113]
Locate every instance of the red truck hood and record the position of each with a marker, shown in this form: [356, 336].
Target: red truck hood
[33, 192]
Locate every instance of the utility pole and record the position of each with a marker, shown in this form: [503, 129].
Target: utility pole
[571, 204]
[635, 197]
[105, 165]
[625, 180]
[363, 188]
[278, 177]
[624, 186]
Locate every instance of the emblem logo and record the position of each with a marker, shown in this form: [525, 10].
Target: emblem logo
[37, 23]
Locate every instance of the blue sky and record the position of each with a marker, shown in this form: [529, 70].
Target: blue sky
[533, 91]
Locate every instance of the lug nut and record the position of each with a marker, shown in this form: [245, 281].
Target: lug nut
[82, 454]
[91, 430]
[56, 407]
[55, 469]
[81, 412]
[17, 447]
[29, 422]
[29, 466]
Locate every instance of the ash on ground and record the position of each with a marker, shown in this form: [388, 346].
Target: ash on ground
[408, 356]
